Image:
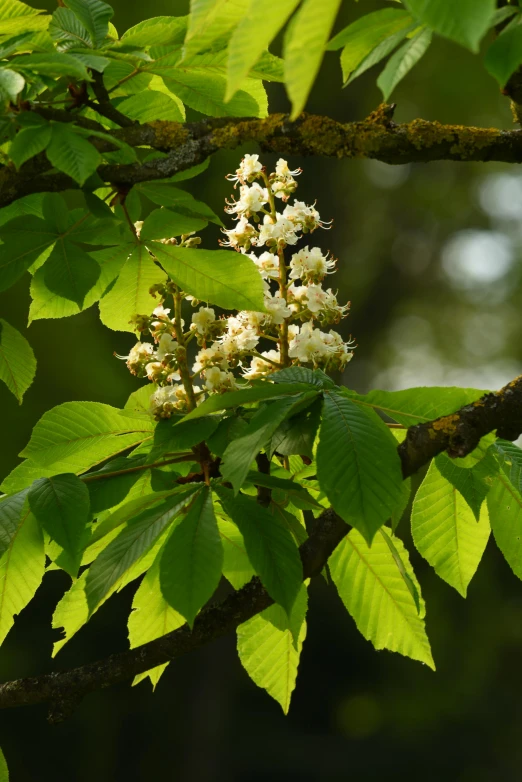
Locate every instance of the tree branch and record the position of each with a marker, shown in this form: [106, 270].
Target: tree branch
[376, 137]
[458, 434]
[461, 432]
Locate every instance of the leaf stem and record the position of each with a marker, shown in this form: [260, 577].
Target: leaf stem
[184, 457]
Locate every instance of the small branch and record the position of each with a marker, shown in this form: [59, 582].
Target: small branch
[461, 432]
[186, 457]
[105, 106]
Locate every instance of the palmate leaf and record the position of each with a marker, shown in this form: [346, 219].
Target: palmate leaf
[94, 15]
[242, 451]
[28, 142]
[67, 29]
[151, 105]
[17, 361]
[11, 510]
[403, 61]
[505, 53]
[376, 595]
[75, 436]
[254, 33]
[24, 239]
[61, 505]
[211, 20]
[357, 464]
[308, 32]
[269, 545]
[53, 64]
[165, 223]
[69, 272]
[71, 153]
[72, 612]
[165, 194]
[505, 516]
[269, 647]
[192, 560]
[228, 279]
[151, 618]
[158, 31]
[17, 17]
[130, 294]
[236, 566]
[446, 532]
[245, 396]
[107, 493]
[472, 483]
[131, 544]
[416, 405]
[465, 27]
[22, 567]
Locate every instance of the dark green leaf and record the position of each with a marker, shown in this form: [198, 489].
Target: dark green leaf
[94, 15]
[467, 26]
[165, 223]
[11, 510]
[17, 361]
[403, 61]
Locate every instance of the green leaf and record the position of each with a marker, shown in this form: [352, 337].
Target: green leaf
[296, 435]
[471, 483]
[151, 618]
[130, 294]
[236, 566]
[106, 493]
[504, 55]
[261, 392]
[465, 27]
[158, 31]
[68, 30]
[192, 560]
[315, 377]
[4, 771]
[11, 510]
[211, 20]
[24, 239]
[241, 452]
[268, 651]
[150, 106]
[11, 83]
[505, 516]
[376, 595]
[363, 35]
[61, 505]
[357, 465]
[382, 50]
[164, 224]
[403, 61]
[402, 505]
[254, 33]
[445, 531]
[22, 568]
[51, 64]
[308, 32]
[71, 153]
[173, 436]
[17, 361]
[94, 15]
[69, 272]
[165, 194]
[417, 405]
[511, 456]
[72, 612]
[23, 475]
[17, 17]
[269, 545]
[75, 436]
[28, 142]
[292, 490]
[205, 91]
[222, 277]
[138, 537]
[408, 580]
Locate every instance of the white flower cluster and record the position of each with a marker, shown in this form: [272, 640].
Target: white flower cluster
[297, 307]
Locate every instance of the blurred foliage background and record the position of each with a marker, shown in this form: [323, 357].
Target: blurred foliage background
[430, 256]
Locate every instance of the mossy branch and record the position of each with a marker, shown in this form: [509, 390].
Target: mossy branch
[377, 137]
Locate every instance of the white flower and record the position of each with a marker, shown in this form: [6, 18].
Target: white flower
[251, 200]
[277, 309]
[304, 217]
[259, 367]
[202, 319]
[282, 169]
[161, 312]
[166, 345]
[242, 235]
[249, 168]
[308, 345]
[139, 356]
[282, 231]
[213, 355]
[310, 265]
[218, 380]
[268, 264]
[315, 298]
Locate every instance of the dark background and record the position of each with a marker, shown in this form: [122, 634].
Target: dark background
[430, 258]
